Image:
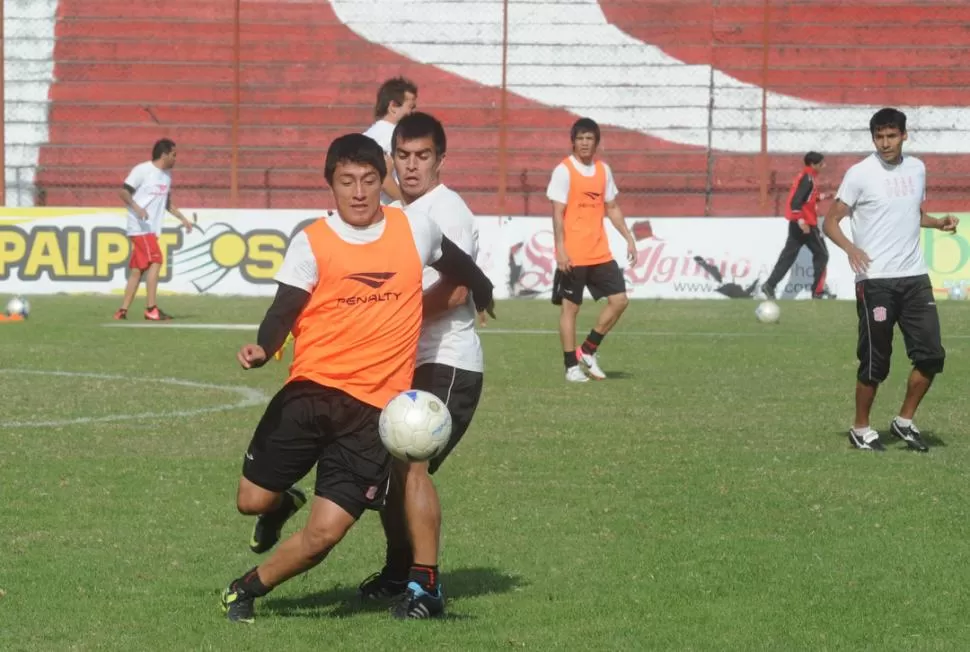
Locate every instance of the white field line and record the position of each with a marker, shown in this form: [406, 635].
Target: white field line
[248, 397]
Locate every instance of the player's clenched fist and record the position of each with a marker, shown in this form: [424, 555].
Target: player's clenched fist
[251, 356]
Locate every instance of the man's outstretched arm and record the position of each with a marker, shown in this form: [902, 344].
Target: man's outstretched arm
[461, 267]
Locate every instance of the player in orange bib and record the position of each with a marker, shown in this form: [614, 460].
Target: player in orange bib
[583, 193]
[350, 291]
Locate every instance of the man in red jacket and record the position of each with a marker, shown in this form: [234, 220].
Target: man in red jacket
[801, 212]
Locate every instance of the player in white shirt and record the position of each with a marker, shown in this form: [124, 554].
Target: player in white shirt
[884, 196]
[147, 194]
[450, 365]
[396, 98]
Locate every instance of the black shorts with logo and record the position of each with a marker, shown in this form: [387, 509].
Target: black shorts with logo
[603, 280]
[307, 424]
[883, 303]
[460, 390]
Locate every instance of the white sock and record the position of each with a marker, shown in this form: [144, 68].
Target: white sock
[903, 423]
[863, 431]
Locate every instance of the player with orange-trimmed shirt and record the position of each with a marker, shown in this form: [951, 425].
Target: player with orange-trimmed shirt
[583, 193]
[350, 291]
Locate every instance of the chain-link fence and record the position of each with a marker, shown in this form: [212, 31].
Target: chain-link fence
[707, 107]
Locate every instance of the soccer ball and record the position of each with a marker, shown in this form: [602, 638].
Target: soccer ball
[415, 426]
[18, 307]
[768, 312]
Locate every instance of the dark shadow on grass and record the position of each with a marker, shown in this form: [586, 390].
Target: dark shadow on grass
[932, 440]
[892, 443]
[618, 375]
[341, 601]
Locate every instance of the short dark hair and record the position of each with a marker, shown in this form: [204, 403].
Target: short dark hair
[887, 117]
[585, 126]
[813, 158]
[421, 125]
[393, 90]
[354, 148]
[162, 147]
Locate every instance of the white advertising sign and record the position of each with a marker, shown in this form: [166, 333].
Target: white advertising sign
[51, 250]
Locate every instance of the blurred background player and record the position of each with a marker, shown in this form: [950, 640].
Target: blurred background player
[367, 260]
[450, 364]
[884, 193]
[583, 192]
[147, 194]
[396, 98]
[801, 211]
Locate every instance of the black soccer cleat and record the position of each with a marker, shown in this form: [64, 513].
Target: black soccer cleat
[769, 291]
[381, 587]
[418, 603]
[238, 605]
[872, 444]
[269, 527]
[911, 435]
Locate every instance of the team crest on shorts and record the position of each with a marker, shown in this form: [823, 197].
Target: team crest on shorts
[879, 313]
[371, 492]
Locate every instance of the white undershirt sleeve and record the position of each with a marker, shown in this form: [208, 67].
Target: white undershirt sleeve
[558, 189]
[611, 190]
[299, 268]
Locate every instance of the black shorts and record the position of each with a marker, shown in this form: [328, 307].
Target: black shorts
[908, 301]
[307, 424]
[460, 390]
[603, 280]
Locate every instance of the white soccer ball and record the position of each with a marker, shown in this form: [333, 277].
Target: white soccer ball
[415, 425]
[18, 307]
[768, 312]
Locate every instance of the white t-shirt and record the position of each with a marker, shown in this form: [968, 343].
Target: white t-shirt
[299, 268]
[152, 187]
[558, 189]
[381, 132]
[451, 338]
[885, 201]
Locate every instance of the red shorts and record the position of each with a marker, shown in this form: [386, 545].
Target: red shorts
[144, 251]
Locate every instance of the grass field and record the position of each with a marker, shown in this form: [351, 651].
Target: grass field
[703, 498]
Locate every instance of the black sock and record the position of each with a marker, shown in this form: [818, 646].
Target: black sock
[569, 358]
[426, 576]
[251, 584]
[397, 562]
[593, 341]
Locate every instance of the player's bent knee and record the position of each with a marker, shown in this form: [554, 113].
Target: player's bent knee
[319, 538]
[252, 499]
[929, 367]
[618, 302]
